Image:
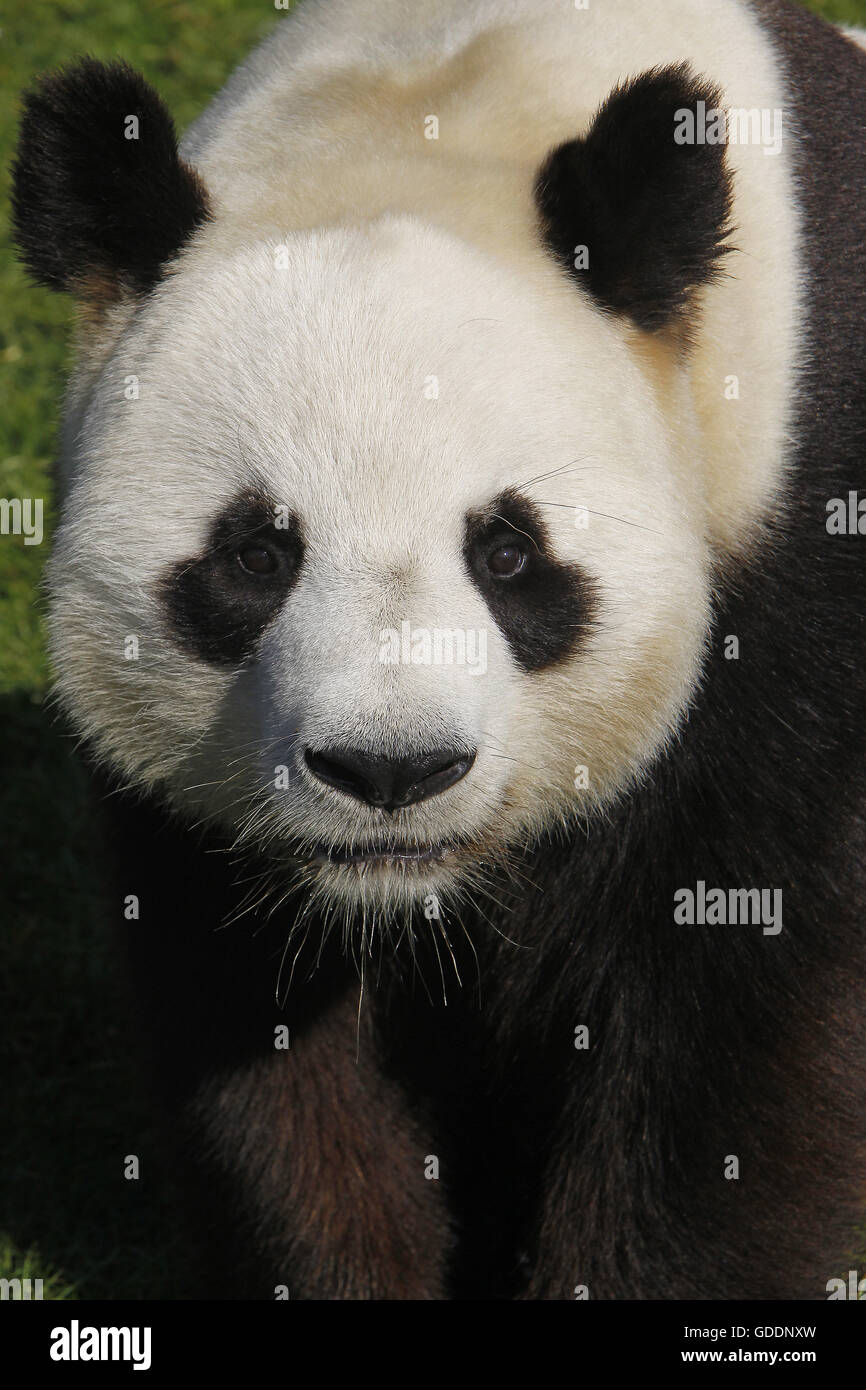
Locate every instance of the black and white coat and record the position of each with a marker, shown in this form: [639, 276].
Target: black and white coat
[440, 324]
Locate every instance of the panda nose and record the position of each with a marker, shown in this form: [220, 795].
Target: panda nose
[387, 782]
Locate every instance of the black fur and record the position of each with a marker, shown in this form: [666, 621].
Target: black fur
[653, 214]
[318, 1187]
[91, 208]
[216, 608]
[542, 612]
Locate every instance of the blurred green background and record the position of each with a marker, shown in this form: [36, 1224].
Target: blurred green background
[71, 1098]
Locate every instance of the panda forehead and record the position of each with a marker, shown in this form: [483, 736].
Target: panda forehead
[372, 326]
[358, 371]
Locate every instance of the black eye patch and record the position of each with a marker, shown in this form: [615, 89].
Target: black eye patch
[541, 606]
[220, 602]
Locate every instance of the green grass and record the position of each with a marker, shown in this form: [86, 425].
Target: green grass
[72, 1100]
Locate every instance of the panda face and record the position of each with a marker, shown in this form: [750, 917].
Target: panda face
[377, 554]
[384, 549]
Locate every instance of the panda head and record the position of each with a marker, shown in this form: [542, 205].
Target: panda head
[382, 554]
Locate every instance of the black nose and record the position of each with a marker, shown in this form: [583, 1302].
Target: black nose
[389, 782]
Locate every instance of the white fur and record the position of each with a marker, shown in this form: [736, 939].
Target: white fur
[410, 259]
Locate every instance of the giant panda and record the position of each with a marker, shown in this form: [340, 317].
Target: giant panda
[459, 595]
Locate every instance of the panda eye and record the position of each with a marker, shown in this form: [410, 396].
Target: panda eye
[506, 561]
[257, 559]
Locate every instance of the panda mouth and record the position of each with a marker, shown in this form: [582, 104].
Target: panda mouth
[383, 854]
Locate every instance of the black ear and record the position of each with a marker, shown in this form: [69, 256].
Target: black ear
[652, 212]
[100, 195]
